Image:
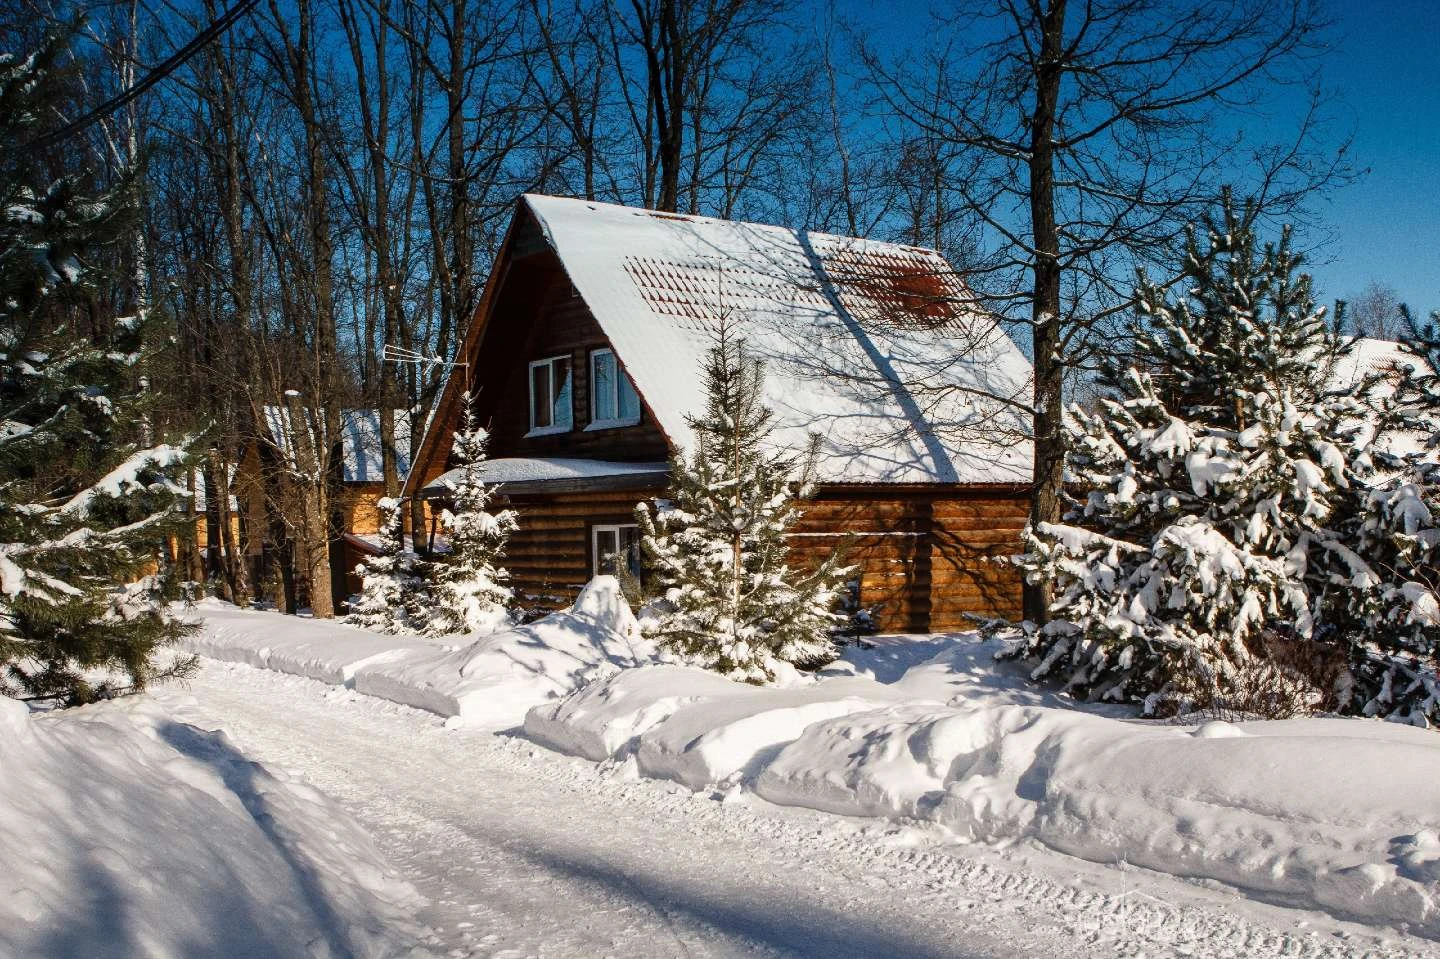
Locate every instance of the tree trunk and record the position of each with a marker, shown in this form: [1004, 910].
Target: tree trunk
[1049, 413]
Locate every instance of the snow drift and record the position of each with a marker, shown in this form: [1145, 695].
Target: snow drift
[324, 650]
[488, 682]
[1337, 813]
[491, 682]
[125, 833]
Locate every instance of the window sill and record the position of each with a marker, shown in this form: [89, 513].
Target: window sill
[611, 424]
[547, 431]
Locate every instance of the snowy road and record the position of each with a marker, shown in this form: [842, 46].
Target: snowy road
[528, 853]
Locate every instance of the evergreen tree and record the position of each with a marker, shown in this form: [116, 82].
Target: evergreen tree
[394, 596]
[85, 498]
[469, 588]
[1209, 479]
[1395, 622]
[717, 545]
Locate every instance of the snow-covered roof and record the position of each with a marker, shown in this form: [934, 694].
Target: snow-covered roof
[361, 440]
[1367, 357]
[872, 346]
[545, 469]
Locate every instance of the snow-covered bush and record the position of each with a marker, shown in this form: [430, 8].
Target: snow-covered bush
[717, 543]
[468, 586]
[87, 496]
[394, 596]
[1225, 508]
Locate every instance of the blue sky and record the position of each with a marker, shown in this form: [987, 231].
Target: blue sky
[1385, 74]
[1386, 69]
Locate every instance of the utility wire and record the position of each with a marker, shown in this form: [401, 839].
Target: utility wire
[171, 63]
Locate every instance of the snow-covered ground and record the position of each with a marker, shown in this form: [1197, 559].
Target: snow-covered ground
[525, 852]
[1342, 814]
[126, 832]
[949, 772]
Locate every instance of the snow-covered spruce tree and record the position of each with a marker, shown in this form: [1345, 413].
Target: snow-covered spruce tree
[1205, 483]
[468, 586]
[1395, 623]
[394, 596]
[717, 544]
[85, 498]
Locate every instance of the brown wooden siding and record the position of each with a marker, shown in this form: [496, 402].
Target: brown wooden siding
[563, 326]
[549, 555]
[926, 557]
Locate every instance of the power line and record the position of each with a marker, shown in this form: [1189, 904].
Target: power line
[171, 63]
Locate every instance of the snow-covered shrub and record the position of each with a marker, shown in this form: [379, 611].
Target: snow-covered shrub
[1225, 507]
[469, 586]
[394, 596]
[716, 543]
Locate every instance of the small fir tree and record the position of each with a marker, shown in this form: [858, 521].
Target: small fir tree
[717, 544]
[85, 499]
[468, 587]
[393, 594]
[1209, 478]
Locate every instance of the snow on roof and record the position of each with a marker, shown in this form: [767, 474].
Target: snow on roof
[540, 469]
[1368, 357]
[872, 346]
[360, 430]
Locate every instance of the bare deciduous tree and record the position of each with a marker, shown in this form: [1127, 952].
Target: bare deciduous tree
[1088, 135]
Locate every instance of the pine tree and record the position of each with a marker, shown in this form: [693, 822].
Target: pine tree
[394, 596]
[717, 544]
[1395, 622]
[85, 498]
[1210, 477]
[469, 588]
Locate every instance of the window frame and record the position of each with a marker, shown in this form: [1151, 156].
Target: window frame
[554, 428]
[616, 422]
[615, 527]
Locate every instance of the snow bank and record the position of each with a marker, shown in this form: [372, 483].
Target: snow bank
[324, 650]
[489, 682]
[492, 682]
[126, 833]
[691, 725]
[1342, 814]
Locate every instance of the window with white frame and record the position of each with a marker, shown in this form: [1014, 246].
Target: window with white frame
[615, 549]
[613, 400]
[550, 396]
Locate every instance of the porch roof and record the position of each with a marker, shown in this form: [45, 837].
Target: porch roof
[555, 474]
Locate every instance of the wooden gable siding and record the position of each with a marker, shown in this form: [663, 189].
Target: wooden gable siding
[926, 555]
[534, 321]
[528, 308]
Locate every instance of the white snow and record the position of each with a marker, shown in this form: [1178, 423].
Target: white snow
[876, 347]
[127, 832]
[488, 682]
[1338, 815]
[328, 651]
[526, 469]
[1318, 811]
[526, 852]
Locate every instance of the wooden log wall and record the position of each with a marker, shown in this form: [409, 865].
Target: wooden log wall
[549, 555]
[926, 559]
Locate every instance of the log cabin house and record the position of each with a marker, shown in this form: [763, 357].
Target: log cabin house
[252, 505]
[584, 357]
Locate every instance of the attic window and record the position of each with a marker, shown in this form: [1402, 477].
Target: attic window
[613, 401]
[550, 396]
